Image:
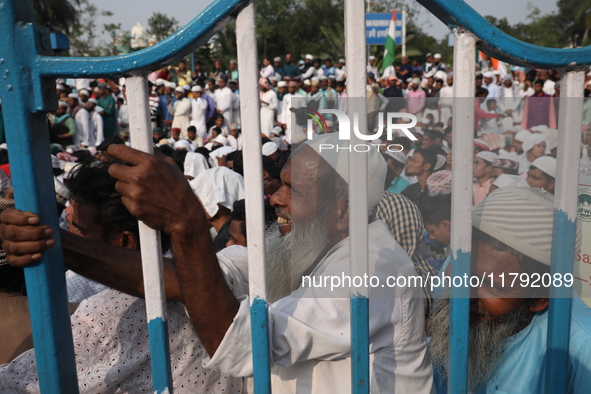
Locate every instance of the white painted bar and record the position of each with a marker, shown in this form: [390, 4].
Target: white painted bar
[140, 134]
[569, 126]
[356, 89]
[463, 140]
[140, 130]
[253, 169]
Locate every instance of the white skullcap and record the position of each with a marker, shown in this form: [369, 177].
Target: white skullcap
[535, 139]
[437, 56]
[269, 148]
[277, 130]
[160, 82]
[74, 96]
[440, 75]
[440, 163]
[522, 135]
[398, 156]
[62, 104]
[171, 85]
[195, 164]
[277, 59]
[187, 87]
[196, 88]
[93, 100]
[282, 84]
[4, 146]
[220, 152]
[505, 180]
[220, 139]
[307, 82]
[182, 144]
[342, 60]
[546, 164]
[339, 161]
[84, 92]
[179, 89]
[322, 77]
[552, 137]
[309, 57]
[487, 156]
[521, 218]
[218, 185]
[488, 74]
[372, 58]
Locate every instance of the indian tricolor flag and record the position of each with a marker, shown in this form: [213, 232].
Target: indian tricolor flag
[390, 43]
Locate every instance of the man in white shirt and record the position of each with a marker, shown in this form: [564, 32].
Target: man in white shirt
[371, 67]
[181, 110]
[82, 117]
[198, 111]
[223, 100]
[289, 106]
[267, 71]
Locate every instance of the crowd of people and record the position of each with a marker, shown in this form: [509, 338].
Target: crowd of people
[193, 191]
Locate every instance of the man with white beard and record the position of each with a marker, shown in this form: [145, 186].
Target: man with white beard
[309, 326]
[509, 325]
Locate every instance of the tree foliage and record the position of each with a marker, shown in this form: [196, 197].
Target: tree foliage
[161, 26]
[57, 15]
[83, 38]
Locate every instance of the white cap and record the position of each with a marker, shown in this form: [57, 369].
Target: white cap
[277, 130]
[62, 104]
[488, 74]
[74, 96]
[487, 156]
[220, 139]
[187, 87]
[372, 58]
[269, 148]
[93, 100]
[505, 180]
[277, 59]
[547, 164]
[84, 92]
[398, 156]
[171, 85]
[282, 84]
[179, 89]
[182, 144]
[4, 146]
[342, 60]
[522, 135]
[160, 82]
[196, 88]
[309, 57]
[437, 56]
[338, 159]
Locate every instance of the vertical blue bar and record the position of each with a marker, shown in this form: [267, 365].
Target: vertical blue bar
[360, 345]
[159, 354]
[259, 322]
[459, 327]
[563, 248]
[28, 141]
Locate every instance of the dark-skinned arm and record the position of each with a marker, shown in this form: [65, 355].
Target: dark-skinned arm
[24, 239]
[147, 187]
[118, 268]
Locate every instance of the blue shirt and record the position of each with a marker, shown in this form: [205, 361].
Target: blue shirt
[523, 367]
[398, 185]
[163, 107]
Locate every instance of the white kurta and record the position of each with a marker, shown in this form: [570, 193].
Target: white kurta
[83, 135]
[181, 110]
[198, 111]
[113, 352]
[268, 111]
[223, 102]
[236, 108]
[97, 124]
[310, 334]
[446, 103]
[291, 127]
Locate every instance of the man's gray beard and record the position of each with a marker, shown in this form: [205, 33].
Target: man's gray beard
[486, 345]
[292, 255]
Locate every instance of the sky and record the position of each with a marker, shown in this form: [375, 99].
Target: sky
[129, 12]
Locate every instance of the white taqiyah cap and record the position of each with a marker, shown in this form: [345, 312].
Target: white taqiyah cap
[338, 159]
[547, 164]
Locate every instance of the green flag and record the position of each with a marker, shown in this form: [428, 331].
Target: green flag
[390, 43]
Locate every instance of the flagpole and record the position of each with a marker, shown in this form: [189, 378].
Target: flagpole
[403, 33]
